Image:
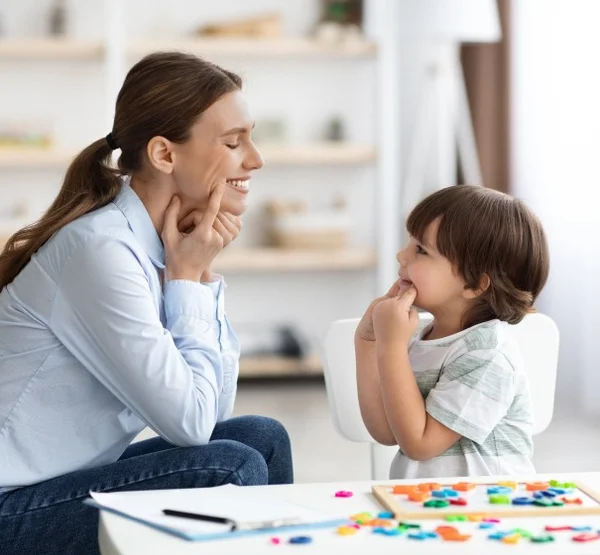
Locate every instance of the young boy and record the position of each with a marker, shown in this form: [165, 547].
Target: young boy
[455, 397]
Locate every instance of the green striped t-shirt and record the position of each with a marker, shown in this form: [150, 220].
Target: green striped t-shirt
[473, 382]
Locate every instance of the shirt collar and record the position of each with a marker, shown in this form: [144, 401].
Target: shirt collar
[140, 223]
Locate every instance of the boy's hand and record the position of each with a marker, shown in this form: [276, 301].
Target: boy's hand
[394, 319]
[365, 326]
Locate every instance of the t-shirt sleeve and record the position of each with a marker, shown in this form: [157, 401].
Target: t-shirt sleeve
[473, 394]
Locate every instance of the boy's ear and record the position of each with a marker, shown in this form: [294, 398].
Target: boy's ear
[484, 284]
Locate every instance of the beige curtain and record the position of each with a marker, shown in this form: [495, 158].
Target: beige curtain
[487, 76]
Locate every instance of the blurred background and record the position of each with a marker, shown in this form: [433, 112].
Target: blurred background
[362, 108]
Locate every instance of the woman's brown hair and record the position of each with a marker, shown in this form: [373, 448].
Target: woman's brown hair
[484, 232]
[163, 94]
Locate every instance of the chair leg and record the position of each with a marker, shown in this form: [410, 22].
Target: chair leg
[381, 460]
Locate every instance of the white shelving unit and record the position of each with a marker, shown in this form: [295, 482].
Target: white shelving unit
[255, 266]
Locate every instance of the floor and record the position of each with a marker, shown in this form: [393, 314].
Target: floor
[570, 443]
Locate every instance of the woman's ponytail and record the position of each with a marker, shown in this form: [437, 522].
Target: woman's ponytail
[90, 183]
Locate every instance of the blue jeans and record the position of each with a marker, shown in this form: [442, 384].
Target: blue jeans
[51, 518]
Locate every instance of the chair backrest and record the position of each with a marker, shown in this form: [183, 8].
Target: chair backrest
[538, 339]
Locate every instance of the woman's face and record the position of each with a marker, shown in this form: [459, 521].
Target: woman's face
[219, 148]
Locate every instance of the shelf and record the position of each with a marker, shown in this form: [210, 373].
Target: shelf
[46, 49]
[283, 260]
[275, 366]
[4, 237]
[269, 48]
[318, 153]
[273, 259]
[307, 154]
[25, 158]
[74, 49]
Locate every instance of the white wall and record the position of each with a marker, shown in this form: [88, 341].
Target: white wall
[556, 137]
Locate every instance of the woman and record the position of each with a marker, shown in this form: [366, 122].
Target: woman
[111, 319]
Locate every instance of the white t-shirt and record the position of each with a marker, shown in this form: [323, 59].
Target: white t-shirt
[473, 382]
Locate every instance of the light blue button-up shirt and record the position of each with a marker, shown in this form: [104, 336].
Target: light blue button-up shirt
[93, 348]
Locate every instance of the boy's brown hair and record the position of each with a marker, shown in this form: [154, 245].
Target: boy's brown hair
[484, 232]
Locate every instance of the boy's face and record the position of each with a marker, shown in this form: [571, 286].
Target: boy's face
[440, 290]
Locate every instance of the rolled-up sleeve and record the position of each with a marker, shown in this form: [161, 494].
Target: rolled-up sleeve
[104, 313]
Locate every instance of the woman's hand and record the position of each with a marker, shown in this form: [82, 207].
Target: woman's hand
[189, 255]
[365, 326]
[226, 225]
[394, 319]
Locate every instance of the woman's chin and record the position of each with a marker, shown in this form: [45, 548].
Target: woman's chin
[234, 208]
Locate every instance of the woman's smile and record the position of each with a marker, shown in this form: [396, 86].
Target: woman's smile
[240, 185]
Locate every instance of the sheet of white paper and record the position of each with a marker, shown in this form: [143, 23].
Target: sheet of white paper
[241, 504]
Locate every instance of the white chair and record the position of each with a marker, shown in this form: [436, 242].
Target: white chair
[538, 340]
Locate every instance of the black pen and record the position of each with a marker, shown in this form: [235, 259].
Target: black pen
[205, 518]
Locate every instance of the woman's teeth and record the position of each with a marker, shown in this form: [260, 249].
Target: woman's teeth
[239, 183]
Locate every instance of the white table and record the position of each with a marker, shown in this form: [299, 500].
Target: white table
[120, 536]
